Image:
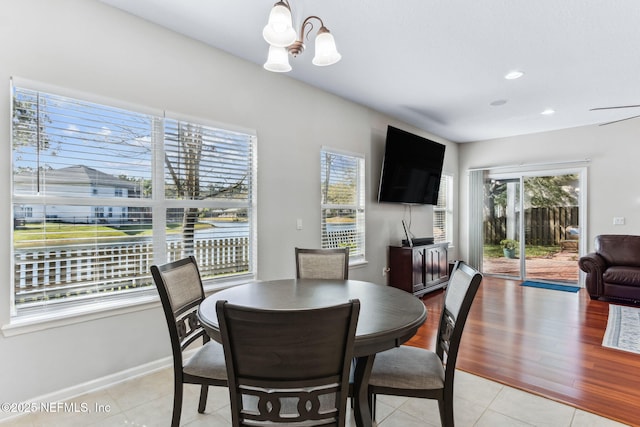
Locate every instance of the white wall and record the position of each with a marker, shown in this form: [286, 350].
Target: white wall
[87, 46]
[612, 171]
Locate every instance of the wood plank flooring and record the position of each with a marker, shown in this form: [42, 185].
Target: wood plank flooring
[545, 342]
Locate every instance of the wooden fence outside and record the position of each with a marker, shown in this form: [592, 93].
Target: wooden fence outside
[543, 226]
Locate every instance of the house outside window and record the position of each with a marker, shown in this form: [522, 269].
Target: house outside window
[443, 211]
[27, 212]
[343, 202]
[100, 193]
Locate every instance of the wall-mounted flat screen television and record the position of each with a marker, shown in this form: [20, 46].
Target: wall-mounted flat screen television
[411, 169]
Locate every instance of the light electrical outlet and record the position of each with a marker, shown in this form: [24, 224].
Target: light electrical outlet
[618, 220]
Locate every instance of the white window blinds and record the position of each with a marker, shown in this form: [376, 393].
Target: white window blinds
[203, 162]
[343, 202]
[100, 193]
[67, 147]
[443, 211]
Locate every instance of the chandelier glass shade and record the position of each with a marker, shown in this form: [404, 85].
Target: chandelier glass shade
[279, 30]
[278, 60]
[326, 51]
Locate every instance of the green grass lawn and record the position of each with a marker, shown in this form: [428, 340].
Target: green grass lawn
[61, 232]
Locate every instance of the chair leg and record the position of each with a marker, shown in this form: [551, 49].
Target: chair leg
[446, 411]
[204, 392]
[177, 402]
[372, 405]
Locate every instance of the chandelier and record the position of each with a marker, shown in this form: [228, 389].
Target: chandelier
[283, 40]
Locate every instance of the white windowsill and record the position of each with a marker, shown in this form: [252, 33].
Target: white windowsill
[358, 263]
[64, 317]
[72, 315]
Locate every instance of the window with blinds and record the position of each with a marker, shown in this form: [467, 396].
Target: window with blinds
[101, 193]
[343, 202]
[443, 211]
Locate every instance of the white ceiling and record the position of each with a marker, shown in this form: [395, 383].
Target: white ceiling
[439, 64]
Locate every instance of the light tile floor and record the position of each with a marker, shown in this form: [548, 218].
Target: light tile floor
[147, 401]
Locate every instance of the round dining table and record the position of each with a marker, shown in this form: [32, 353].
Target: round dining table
[388, 317]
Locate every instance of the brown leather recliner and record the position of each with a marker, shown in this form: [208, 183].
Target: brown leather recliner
[613, 270]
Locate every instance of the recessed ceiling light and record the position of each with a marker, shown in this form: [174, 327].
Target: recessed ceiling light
[512, 75]
[548, 111]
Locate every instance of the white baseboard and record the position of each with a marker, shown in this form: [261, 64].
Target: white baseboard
[96, 384]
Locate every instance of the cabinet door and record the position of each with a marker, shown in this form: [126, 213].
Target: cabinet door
[436, 264]
[440, 263]
[418, 268]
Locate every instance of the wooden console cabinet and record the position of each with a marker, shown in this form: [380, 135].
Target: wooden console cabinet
[419, 269]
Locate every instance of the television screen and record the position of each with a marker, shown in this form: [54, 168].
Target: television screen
[411, 169]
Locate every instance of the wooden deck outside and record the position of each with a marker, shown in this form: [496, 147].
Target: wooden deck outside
[562, 266]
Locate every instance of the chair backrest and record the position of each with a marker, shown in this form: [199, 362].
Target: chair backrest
[288, 366]
[322, 263]
[461, 290]
[180, 288]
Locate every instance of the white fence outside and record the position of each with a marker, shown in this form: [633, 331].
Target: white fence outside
[69, 272]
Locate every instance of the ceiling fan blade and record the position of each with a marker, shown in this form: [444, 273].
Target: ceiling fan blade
[621, 120]
[614, 108]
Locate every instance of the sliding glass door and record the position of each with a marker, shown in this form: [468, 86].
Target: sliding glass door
[501, 249]
[531, 225]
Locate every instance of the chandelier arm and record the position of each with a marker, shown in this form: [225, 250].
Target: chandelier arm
[307, 22]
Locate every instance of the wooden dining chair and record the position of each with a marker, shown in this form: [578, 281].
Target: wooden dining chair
[322, 263]
[181, 292]
[288, 367]
[416, 372]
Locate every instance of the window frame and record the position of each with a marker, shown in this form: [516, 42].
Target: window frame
[445, 196]
[158, 205]
[359, 206]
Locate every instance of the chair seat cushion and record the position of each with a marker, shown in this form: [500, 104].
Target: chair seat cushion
[207, 362]
[407, 367]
